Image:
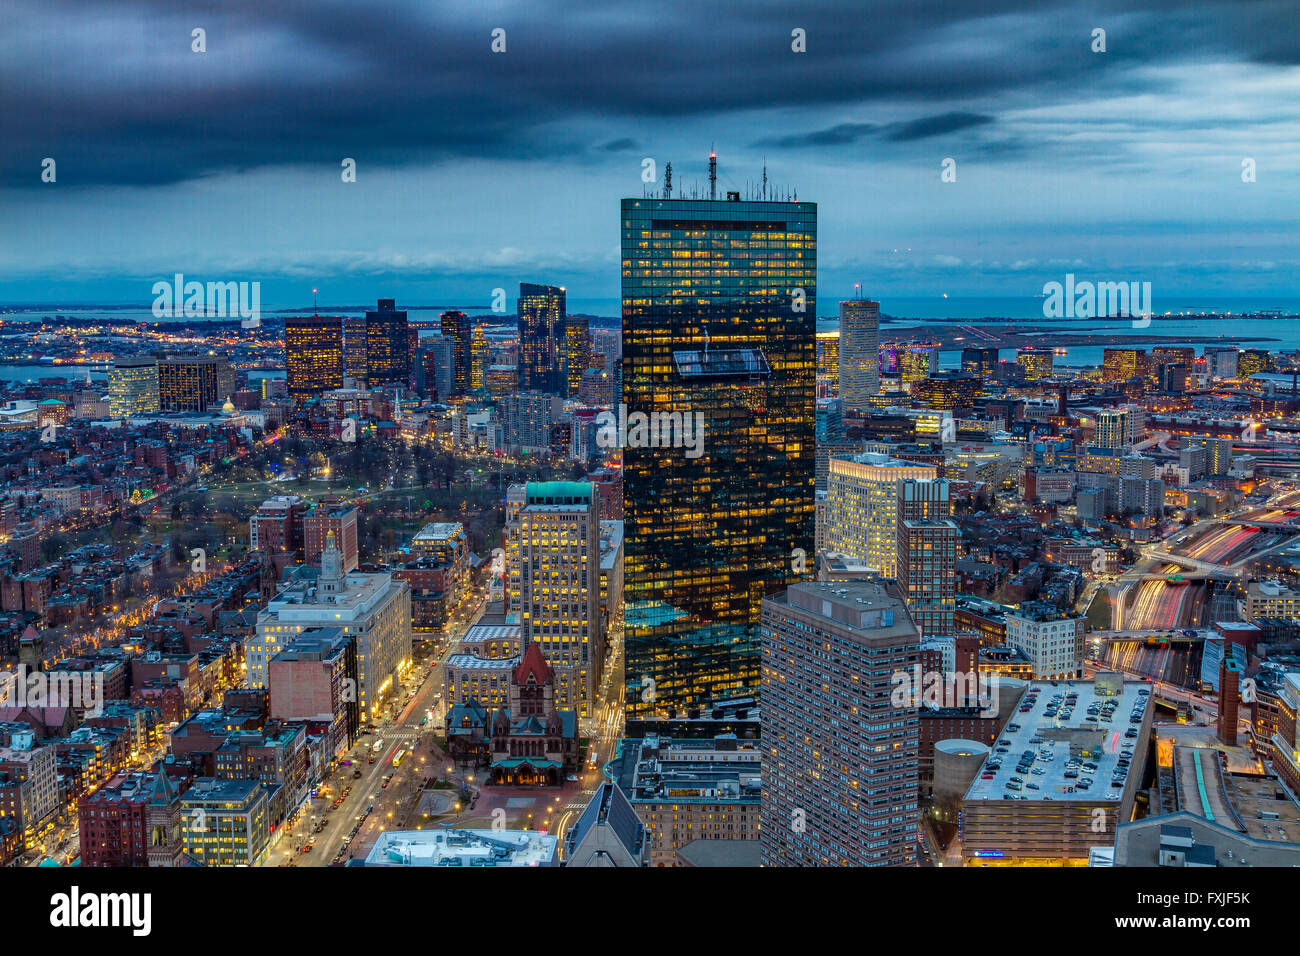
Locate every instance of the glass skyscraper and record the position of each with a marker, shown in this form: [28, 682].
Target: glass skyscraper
[543, 361]
[388, 349]
[719, 307]
[456, 326]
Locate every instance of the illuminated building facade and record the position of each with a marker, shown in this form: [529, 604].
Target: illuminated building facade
[927, 572]
[388, 350]
[193, 383]
[917, 362]
[947, 391]
[577, 348]
[313, 354]
[1122, 364]
[863, 494]
[1114, 428]
[553, 552]
[981, 361]
[828, 359]
[542, 316]
[375, 608]
[354, 347]
[719, 306]
[133, 387]
[1037, 363]
[457, 327]
[225, 822]
[480, 357]
[859, 352]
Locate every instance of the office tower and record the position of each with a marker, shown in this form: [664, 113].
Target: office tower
[501, 380]
[1051, 638]
[840, 754]
[1173, 377]
[577, 339]
[859, 353]
[713, 527]
[226, 822]
[457, 328]
[927, 572]
[326, 522]
[373, 608]
[542, 315]
[553, 540]
[830, 419]
[133, 387]
[1253, 362]
[1221, 361]
[313, 354]
[1173, 355]
[435, 368]
[862, 494]
[388, 356]
[480, 357]
[354, 347]
[948, 391]
[194, 383]
[1122, 364]
[1036, 363]
[1114, 428]
[828, 359]
[596, 388]
[917, 361]
[981, 361]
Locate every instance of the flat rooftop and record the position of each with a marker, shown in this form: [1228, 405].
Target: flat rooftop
[1068, 724]
[463, 848]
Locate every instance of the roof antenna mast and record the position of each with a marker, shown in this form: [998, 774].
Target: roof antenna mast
[668, 181]
[713, 174]
[764, 177]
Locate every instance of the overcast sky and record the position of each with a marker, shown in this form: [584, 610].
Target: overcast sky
[478, 169]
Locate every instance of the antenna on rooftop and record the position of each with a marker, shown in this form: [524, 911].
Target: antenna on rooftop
[764, 177]
[668, 181]
[713, 174]
[313, 303]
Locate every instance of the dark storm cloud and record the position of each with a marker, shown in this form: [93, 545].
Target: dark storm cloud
[845, 134]
[111, 89]
[929, 126]
[618, 145]
[842, 134]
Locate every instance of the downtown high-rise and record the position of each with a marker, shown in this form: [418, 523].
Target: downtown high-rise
[313, 354]
[859, 353]
[719, 306]
[543, 359]
[457, 327]
[840, 746]
[388, 350]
